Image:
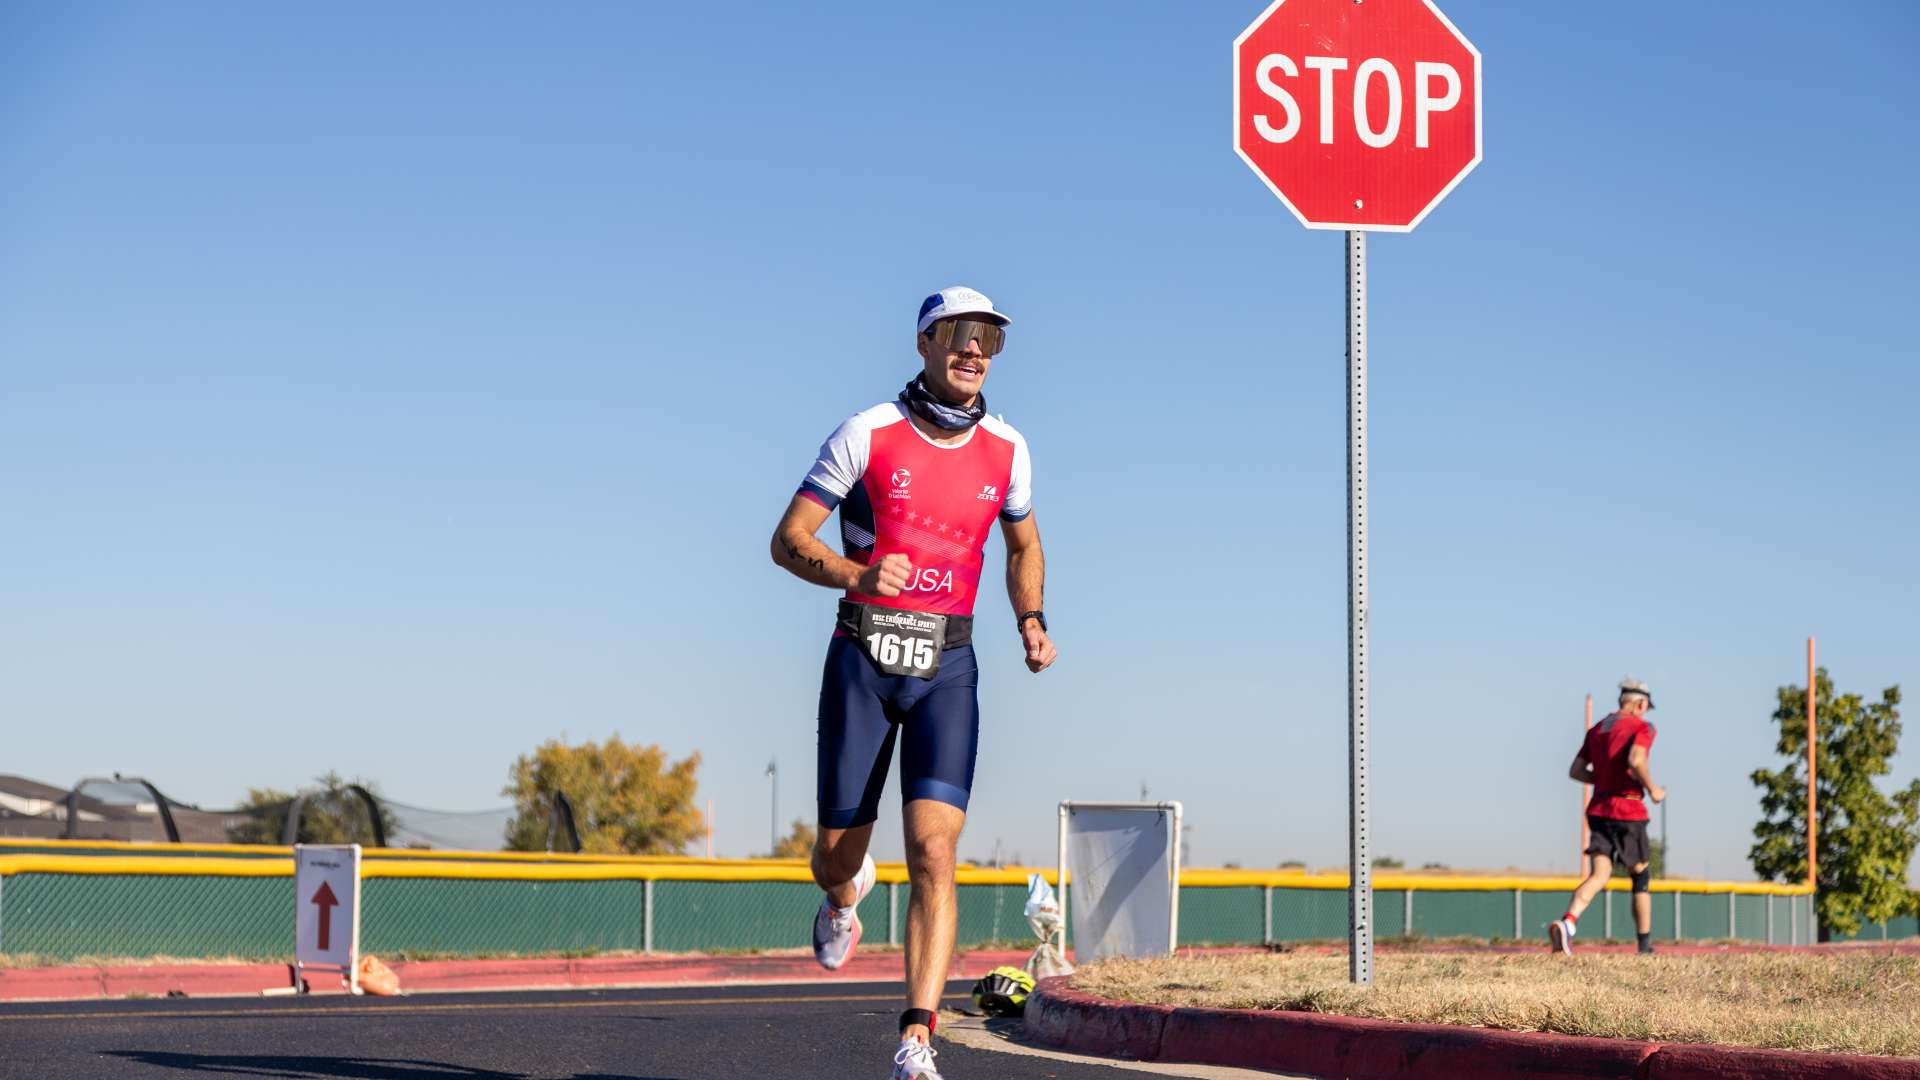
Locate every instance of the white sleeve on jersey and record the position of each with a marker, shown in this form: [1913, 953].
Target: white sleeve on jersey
[1019, 500]
[842, 460]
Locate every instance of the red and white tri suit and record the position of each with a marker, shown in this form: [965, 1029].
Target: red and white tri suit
[898, 491]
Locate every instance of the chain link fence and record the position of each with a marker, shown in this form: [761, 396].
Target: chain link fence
[518, 905]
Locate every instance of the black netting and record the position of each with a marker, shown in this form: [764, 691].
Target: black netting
[132, 810]
[458, 830]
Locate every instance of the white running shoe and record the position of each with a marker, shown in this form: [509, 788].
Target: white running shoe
[914, 1061]
[837, 930]
[1560, 936]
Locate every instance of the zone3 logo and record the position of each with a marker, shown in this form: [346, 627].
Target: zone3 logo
[989, 493]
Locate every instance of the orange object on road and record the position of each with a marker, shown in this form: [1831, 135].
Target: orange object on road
[377, 978]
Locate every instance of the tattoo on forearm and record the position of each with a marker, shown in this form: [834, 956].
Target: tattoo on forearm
[793, 554]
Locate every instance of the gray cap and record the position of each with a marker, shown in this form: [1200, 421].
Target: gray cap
[1632, 685]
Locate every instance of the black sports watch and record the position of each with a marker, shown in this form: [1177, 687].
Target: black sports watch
[1021, 622]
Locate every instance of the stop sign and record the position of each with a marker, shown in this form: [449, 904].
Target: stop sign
[1359, 114]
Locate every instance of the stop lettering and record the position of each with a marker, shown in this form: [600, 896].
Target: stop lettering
[1358, 114]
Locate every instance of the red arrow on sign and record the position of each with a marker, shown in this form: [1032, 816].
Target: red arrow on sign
[327, 902]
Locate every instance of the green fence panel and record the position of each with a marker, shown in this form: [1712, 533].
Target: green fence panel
[872, 912]
[991, 913]
[1537, 909]
[1703, 916]
[708, 916]
[64, 916]
[1309, 914]
[438, 915]
[1751, 911]
[1481, 913]
[1391, 911]
[1222, 916]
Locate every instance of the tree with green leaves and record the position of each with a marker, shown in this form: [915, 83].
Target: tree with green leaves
[626, 797]
[332, 814]
[1866, 836]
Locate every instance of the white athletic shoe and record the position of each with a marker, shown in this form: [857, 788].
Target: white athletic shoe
[914, 1061]
[837, 930]
[1560, 936]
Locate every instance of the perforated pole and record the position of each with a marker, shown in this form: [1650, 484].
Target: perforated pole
[1360, 881]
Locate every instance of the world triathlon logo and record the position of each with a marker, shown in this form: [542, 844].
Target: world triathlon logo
[901, 478]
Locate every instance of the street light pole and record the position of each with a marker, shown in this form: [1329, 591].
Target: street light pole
[773, 807]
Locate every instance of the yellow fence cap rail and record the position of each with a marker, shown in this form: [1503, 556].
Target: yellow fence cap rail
[81, 847]
[145, 865]
[1301, 879]
[453, 867]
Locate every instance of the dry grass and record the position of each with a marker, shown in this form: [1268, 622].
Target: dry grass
[1860, 1002]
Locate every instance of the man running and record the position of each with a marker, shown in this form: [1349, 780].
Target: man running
[918, 482]
[1614, 761]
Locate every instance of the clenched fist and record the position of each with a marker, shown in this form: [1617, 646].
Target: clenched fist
[1040, 650]
[886, 577]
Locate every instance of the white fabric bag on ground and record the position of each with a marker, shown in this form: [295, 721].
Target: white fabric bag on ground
[1043, 914]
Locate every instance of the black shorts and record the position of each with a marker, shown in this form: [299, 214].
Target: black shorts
[1625, 842]
[863, 711]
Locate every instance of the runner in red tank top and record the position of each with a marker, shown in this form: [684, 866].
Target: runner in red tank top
[1614, 760]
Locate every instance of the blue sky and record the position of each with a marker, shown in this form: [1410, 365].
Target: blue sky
[384, 390]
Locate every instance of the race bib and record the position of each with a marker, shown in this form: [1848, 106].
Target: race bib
[903, 642]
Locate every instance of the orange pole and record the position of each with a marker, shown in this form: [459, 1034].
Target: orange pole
[1813, 821]
[1586, 796]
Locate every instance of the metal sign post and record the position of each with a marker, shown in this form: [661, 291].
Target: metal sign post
[1375, 149]
[1360, 880]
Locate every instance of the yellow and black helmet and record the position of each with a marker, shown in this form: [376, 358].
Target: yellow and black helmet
[1003, 992]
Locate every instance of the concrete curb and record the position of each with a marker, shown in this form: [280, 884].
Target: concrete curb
[1349, 1047]
[210, 980]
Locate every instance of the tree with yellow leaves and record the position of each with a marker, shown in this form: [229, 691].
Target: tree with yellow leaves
[626, 797]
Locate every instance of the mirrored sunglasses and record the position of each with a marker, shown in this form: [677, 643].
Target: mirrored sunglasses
[953, 335]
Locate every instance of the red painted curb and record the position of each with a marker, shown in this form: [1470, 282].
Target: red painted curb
[1350, 1047]
[1695, 1062]
[198, 980]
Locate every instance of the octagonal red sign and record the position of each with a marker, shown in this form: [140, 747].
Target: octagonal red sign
[1359, 114]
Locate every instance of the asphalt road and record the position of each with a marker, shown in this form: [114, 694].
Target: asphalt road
[832, 1031]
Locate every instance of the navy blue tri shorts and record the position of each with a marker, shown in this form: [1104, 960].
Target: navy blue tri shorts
[862, 712]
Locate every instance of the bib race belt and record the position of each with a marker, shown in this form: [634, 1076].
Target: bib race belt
[903, 642]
